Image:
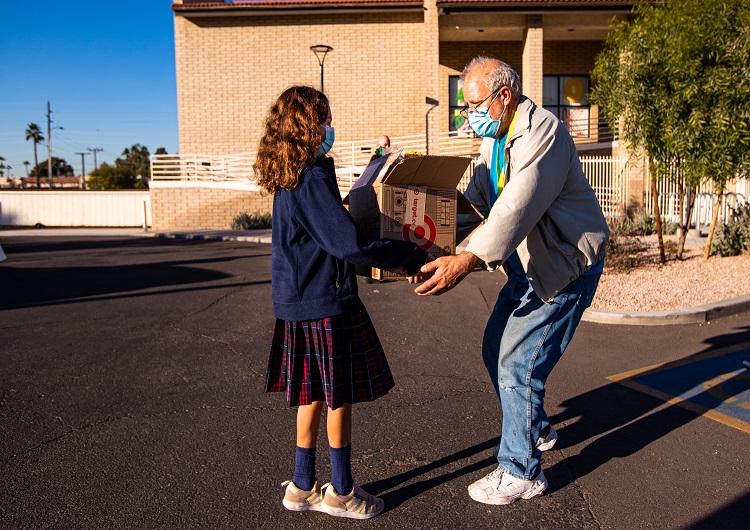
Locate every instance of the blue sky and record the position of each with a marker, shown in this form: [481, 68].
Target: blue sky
[107, 68]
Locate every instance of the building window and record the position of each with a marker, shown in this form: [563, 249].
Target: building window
[567, 97]
[459, 126]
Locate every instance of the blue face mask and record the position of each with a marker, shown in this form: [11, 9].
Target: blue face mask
[483, 125]
[328, 142]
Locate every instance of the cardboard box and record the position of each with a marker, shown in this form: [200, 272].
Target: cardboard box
[413, 199]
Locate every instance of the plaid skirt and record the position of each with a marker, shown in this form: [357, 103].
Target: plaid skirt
[337, 360]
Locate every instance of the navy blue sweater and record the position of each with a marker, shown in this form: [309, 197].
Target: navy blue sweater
[315, 247]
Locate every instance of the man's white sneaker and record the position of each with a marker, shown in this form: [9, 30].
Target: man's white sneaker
[502, 488]
[488, 481]
[545, 443]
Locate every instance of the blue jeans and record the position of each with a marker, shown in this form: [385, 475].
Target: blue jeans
[523, 341]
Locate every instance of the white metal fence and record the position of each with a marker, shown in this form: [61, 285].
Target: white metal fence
[202, 167]
[75, 208]
[608, 177]
[671, 208]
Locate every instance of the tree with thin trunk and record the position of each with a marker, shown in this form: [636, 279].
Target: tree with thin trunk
[33, 132]
[676, 79]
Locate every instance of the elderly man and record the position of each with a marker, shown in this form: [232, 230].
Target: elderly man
[545, 227]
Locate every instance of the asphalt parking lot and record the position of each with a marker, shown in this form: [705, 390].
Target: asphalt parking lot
[130, 397]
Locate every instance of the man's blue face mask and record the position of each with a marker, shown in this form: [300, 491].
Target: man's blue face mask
[482, 124]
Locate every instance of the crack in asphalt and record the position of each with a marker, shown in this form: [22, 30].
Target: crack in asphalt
[486, 302]
[586, 502]
[219, 299]
[253, 372]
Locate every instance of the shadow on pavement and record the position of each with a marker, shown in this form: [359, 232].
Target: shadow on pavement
[26, 284]
[393, 499]
[46, 286]
[64, 244]
[735, 515]
[623, 421]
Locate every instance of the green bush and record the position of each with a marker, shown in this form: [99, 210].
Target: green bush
[640, 224]
[643, 224]
[623, 249]
[733, 237]
[668, 228]
[256, 221]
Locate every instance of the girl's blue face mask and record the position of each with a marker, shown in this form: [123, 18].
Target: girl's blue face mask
[328, 142]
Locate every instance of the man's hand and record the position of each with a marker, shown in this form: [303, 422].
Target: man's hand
[446, 273]
[420, 276]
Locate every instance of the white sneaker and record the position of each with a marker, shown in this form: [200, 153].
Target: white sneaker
[488, 481]
[545, 443]
[502, 488]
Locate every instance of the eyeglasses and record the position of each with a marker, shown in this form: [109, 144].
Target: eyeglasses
[468, 109]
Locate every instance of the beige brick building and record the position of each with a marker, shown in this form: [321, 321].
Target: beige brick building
[388, 59]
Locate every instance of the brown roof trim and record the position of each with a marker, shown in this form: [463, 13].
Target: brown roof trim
[250, 5]
[465, 5]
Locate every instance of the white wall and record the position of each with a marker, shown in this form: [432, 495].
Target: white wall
[75, 208]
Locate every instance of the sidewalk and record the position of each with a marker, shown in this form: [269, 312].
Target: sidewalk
[690, 315]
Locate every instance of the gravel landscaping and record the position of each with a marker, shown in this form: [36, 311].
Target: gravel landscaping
[685, 283]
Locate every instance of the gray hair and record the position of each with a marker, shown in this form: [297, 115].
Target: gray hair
[500, 75]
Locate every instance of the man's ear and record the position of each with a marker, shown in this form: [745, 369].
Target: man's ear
[507, 95]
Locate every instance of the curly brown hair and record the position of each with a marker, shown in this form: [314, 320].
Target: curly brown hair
[291, 138]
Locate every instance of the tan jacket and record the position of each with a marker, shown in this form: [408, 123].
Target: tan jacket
[547, 209]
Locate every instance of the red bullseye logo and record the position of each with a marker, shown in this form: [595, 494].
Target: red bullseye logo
[421, 235]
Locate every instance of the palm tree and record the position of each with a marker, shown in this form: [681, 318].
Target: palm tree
[33, 132]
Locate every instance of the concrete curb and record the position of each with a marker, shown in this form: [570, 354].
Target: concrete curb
[693, 315]
[258, 236]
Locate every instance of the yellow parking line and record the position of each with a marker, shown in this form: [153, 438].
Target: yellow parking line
[698, 409]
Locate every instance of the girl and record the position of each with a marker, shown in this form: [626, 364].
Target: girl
[324, 350]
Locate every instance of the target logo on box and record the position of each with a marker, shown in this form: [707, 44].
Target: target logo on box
[423, 235]
[413, 199]
[416, 199]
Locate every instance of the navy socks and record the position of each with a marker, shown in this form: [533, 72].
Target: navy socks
[341, 469]
[304, 468]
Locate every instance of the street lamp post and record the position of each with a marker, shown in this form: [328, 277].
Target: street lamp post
[434, 102]
[320, 51]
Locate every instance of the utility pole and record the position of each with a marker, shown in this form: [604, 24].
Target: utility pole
[95, 150]
[83, 170]
[49, 143]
